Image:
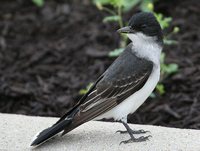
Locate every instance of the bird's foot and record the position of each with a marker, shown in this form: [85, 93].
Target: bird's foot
[133, 131]
[132, 139]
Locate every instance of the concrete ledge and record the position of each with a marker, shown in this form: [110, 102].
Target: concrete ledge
[16, 132]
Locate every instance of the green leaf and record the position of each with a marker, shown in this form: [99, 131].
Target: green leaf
[114, 3]
[176, 29]
[116, 52]
[171, 68]
[160, 88]
[164, 21]
[38, 3]
[102, 2]
[111, 19]
[150, 7]
[129, 4]
[118, 3]
[167, 69]
[145, 5]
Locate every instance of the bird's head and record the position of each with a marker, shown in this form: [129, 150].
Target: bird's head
[143, 26]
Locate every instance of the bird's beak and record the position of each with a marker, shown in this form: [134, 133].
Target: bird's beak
[126, 29]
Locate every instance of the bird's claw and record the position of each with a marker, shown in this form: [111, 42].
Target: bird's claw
[133, 132]
[140, 139]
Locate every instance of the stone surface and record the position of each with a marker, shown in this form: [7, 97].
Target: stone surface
[17, 131]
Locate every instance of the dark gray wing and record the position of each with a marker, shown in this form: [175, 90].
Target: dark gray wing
[125, 76]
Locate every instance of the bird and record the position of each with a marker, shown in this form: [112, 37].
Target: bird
[123, 87]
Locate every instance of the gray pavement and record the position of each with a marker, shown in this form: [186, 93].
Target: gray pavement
[17, 131]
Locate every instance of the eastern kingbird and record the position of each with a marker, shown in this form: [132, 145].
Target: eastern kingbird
[124, 86]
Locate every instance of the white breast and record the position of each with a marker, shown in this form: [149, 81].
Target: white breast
[147, 48]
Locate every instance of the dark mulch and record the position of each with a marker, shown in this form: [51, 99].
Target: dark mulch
[48, 54]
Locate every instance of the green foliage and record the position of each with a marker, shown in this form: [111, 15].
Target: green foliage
[146, 5]
[129, 4]
[167, 69]
[170, 68]
[84, 91]
[114, 3]
[160, 88]
[38, 3]
[113, 18]
[120, 7]
[126, 5]
[164, 21]
[176, 30]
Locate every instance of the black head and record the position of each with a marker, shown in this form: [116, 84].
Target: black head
[145, 23]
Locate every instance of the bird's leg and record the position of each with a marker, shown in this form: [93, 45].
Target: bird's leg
[133, 131]
[133, 139]
[129, 130]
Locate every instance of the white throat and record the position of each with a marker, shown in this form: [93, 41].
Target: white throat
[146, 47]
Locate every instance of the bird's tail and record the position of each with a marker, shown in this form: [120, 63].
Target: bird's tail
[65, 124]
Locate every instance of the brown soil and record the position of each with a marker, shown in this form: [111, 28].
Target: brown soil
[48, 54]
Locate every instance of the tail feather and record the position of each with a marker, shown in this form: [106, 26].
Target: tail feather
[50, 132]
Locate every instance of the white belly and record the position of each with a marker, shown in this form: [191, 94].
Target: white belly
[133, 102]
